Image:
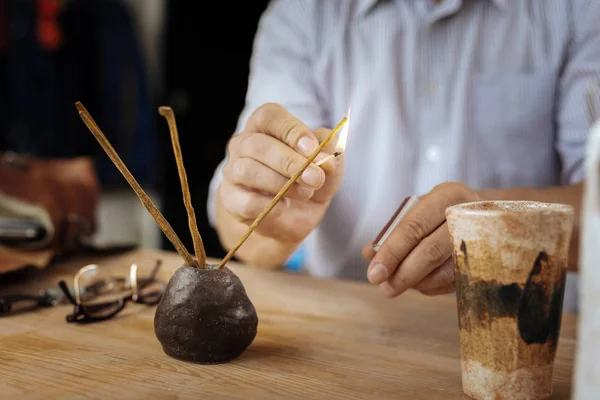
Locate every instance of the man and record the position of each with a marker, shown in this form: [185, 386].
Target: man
[451, 100]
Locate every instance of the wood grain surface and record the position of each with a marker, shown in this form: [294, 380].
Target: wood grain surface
[317, 339]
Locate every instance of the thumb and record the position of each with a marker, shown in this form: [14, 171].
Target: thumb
[321, 134]
[334, 169]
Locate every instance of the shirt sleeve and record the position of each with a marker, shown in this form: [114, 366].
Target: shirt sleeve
[582, 67]
[280, 72]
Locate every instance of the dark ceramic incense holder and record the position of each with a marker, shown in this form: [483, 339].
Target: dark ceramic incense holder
[205, 316]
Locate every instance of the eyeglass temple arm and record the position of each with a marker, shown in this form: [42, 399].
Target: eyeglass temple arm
[63, 286]
[19, 297]
[152, 276]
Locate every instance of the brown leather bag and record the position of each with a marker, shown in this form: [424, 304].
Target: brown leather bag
[60, 194]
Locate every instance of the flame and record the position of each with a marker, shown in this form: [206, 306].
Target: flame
[343, 138]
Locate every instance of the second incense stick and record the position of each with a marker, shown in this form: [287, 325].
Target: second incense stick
[282, 192]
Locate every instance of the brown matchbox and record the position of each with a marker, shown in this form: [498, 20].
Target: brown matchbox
[404, 208]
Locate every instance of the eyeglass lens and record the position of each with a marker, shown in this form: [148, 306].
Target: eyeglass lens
[99, 293]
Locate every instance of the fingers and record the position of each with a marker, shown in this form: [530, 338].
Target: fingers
[274, 120]
[431, 253]
[368, 252]
[441, 290]
[438, 279]
[252, 174]
[275, 155]
[282, 223]
[407, 235]
[426, 216]
[278, 140]
[245, 205]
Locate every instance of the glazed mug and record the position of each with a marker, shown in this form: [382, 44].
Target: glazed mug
[511, 261]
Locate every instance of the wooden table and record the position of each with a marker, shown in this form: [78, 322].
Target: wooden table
[317, 339]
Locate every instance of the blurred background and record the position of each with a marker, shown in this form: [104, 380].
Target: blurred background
[122, 60]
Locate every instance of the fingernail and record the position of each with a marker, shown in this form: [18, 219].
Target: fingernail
[312, 177]
[307, 145]
[305, 192]
[378, 274]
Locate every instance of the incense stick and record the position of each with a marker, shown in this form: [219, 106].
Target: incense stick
[163, 224]
[281, 193]
[167, 113]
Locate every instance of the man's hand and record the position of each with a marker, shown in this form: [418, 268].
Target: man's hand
[272, 148]
[418, 253]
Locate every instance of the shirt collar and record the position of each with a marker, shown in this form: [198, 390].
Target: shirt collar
[365, 6]
[501, 4]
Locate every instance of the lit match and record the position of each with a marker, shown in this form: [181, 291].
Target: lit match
[329, 157]
[341, 143]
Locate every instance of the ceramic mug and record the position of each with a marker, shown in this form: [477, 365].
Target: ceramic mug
[511, 262]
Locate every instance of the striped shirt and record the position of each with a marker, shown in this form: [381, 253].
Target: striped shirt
[486, 92]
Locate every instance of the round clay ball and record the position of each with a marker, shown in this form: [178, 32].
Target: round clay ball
[205, 316]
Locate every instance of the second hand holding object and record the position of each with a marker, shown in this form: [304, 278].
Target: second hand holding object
[282, 193]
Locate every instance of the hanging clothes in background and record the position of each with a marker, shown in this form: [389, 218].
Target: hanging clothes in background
[56, 52]
[3, 28]
[4, 124]
[31, 81]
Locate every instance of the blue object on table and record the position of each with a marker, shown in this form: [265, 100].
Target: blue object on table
[296, 261]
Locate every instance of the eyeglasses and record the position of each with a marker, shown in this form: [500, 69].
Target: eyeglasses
[17, 303]
[99, 296]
